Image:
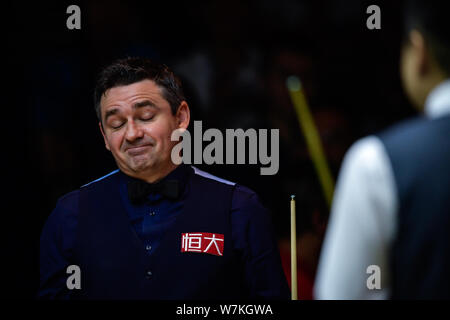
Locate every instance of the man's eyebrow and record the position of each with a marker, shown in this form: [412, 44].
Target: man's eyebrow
[145, 103]
[110, 113]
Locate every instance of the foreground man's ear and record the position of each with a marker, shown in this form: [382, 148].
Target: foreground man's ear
[183, 115]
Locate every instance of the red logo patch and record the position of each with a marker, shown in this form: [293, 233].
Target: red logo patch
[203, 242]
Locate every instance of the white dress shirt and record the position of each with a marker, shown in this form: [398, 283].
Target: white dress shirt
[363, 216]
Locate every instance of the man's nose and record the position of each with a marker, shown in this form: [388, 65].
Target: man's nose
[133, 132]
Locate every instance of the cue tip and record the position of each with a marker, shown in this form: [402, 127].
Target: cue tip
[293, 83]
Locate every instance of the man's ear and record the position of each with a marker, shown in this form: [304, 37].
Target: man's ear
[183, 115]
[104, 136]
[421, 52]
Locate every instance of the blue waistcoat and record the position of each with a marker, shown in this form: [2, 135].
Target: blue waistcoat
[419, 151]
[115, 265]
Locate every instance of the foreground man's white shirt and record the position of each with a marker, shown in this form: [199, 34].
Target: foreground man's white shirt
[363, 216]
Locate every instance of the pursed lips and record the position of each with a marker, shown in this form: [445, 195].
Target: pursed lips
[137, 149]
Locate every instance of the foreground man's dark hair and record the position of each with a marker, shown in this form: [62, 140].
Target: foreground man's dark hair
[130, 70]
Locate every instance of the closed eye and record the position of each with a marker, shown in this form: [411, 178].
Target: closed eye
[147, 117]
[116, 124]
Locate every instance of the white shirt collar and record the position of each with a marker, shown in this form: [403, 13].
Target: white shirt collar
[438, 101]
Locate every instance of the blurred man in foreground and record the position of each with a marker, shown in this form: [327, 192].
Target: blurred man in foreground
[389, 231]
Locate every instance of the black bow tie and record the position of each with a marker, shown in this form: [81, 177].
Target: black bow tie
[139, 190]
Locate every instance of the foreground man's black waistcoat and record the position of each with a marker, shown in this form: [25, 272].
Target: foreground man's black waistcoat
[115, 265]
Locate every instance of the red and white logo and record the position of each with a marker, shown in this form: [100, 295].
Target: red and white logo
[203, 242]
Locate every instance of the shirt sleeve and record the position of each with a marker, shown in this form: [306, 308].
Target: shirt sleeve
[253, 236]
[56, 248]
[361, 227]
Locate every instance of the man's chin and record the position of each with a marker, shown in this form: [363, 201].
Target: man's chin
[137, 166]
[142, 167]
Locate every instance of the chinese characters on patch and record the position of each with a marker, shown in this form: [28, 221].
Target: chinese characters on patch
[203, 242]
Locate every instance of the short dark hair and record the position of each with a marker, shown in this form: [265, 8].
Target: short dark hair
[431, 18]
[134, 69]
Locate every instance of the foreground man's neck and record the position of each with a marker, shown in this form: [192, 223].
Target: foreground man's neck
[153, 175]
[159, 174]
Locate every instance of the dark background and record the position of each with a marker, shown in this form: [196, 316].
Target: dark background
[233, 57]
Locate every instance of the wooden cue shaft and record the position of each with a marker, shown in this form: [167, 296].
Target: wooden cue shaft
[293, 251]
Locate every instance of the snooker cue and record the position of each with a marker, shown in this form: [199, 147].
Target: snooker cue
[316, 152]
[293, 251]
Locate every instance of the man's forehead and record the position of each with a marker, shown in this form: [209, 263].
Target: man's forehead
[126, 93]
